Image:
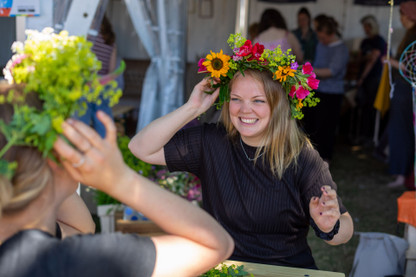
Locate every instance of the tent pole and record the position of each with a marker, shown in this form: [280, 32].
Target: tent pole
[241, 24]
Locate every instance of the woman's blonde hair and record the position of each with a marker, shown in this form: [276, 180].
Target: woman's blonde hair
[32, 173]
[371, 21]
[283, 139]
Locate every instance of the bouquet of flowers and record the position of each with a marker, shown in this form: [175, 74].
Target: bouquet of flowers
[298, 81]
[182, 183]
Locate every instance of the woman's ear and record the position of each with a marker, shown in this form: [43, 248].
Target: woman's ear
[52, 164]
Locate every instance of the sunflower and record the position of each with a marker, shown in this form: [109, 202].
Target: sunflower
[217, 64]
[282, 73]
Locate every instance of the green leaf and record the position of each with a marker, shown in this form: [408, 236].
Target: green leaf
[7, 169]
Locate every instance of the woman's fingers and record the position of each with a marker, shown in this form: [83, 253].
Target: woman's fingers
[110, 127]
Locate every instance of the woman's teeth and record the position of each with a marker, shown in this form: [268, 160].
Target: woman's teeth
[248, 120]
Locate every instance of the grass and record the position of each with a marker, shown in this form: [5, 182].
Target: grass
[361, 181]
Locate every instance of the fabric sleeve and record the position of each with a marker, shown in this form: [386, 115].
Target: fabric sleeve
[183, 151]
[109, 255]
[314, 173]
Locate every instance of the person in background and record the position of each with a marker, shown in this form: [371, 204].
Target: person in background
[105, 49]
[30, 201]
[400, 126]
[372, 48]
[306, 35]
[253, 30]
[272, 31]
[261, 178]
[330, 66]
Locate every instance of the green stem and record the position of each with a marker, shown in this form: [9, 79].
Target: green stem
[7, 146]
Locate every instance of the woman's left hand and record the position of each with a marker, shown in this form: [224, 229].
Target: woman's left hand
[324, 210]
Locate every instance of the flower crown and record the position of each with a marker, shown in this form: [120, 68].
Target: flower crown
[61, 70]
[297, 80]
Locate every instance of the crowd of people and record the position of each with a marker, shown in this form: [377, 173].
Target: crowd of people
[264, 166]
[319, 41]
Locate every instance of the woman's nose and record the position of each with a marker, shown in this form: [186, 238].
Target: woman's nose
[246, 107]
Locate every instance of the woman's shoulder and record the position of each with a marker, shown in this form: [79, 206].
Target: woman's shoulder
[309, 157]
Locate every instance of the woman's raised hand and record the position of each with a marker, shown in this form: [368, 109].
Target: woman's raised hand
[92, 161]
[201, 100]
[324, 210]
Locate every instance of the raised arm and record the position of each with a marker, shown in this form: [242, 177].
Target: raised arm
[200, 240]
[325, 212]
[74, 217]
[148, 144]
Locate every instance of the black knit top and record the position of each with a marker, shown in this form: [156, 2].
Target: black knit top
[267, 217]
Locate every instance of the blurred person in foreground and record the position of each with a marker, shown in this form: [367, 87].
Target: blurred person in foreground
[43, 157]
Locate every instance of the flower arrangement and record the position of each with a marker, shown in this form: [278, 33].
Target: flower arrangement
[298, 81]
[222, 270]
[182, 183]
[60, 69]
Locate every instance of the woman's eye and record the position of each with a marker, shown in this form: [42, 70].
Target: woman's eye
[259, 101]
[234, 99]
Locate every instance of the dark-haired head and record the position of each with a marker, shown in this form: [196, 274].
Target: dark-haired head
[271, 18]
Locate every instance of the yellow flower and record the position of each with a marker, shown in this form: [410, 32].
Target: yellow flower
[299, 105]
[57, 123]
[217, 64]
[282, 73]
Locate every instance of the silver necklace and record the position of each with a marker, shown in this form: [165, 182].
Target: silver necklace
[250, 159]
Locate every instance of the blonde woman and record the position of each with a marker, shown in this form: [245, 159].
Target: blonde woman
[261, 178]
[29, 205]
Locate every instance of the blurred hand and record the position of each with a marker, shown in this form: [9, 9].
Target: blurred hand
[94, 161]
[324, 210]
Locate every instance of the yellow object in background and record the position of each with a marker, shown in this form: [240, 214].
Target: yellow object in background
[382, 101]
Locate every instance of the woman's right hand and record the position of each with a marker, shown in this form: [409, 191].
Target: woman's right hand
[92, 161]
[201, 100]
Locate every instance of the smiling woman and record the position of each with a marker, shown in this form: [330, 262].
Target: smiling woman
[289, 189]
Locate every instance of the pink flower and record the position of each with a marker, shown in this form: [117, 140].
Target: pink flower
[237, 58]
[307, 68]
[202, 68]
[313, 82]
[301, 93]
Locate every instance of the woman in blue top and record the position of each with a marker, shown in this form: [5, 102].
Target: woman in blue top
[330, 67]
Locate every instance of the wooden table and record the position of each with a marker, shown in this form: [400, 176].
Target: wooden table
[144, 228]
[148, 228]
[264, 270]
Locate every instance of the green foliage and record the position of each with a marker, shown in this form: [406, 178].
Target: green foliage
[226, 271]
[132, 161]
[61, 70]
[102, 198]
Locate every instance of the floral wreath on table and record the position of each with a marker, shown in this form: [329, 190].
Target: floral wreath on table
[61, 70]
[298, 81]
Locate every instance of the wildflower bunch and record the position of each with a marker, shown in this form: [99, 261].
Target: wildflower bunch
[60, 69]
